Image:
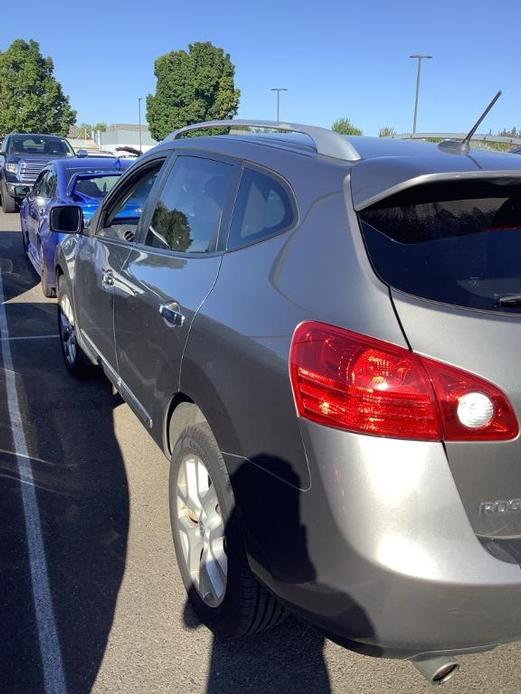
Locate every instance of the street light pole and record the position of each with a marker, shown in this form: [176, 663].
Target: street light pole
[139, 117]
[278, 90]
[419, 58]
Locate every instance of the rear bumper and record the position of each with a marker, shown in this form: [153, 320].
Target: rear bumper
[392, 563]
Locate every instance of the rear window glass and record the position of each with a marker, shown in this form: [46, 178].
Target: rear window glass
[96, 187]
[457, 243]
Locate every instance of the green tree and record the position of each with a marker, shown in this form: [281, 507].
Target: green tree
[89, 130]
[192, 86]
[345, 127]
[31, 99]
[386, 131]
[513, 132]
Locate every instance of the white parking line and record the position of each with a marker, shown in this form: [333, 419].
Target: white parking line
[28, 337]
[52, 664]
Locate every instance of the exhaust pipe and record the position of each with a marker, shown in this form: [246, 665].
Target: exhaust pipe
[436, 670]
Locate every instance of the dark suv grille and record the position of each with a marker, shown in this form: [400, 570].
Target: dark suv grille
[29, 170]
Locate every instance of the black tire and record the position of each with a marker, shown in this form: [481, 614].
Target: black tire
[247, 607]
[8, 203]
[75, 359]
[47, 291]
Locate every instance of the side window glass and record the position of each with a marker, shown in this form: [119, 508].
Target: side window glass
[41, 187]
[38, 185]
[263, 208]
[52, 182]
[123, 218]
[44, 187]
[188, 213]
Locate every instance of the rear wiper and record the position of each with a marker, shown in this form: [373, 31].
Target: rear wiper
[510, 300]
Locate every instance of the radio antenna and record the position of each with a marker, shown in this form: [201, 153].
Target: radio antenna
[464, 146]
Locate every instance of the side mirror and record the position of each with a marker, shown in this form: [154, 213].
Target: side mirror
[82, 153]
[66, 219]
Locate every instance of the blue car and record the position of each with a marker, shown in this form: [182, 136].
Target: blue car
[80, 181]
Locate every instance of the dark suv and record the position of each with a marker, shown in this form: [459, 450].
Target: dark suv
[22, 157]
[322, 334]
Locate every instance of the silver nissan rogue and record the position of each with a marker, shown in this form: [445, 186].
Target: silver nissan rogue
[322, 335]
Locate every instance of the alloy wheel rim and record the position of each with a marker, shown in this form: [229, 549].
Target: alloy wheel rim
[201, 530]
[67, 330]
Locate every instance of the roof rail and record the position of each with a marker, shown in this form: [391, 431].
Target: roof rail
[327, 142]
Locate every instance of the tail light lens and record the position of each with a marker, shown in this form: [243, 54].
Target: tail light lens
[354, 382]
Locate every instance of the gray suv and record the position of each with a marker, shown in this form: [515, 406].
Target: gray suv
[321, 333]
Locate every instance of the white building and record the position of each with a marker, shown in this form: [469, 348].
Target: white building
[126, 135]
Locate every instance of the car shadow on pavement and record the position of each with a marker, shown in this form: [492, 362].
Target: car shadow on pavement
[289, 658]
[82, 496]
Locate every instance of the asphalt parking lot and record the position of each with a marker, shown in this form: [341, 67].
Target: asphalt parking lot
[90, 597]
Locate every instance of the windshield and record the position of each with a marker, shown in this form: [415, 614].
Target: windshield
[458, 243]
[39, 144]
[95, 187]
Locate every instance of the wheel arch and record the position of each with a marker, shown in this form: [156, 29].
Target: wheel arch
[181, 412]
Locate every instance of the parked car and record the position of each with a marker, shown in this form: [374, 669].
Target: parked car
[79, 181]
[322, 335]
[22, 157]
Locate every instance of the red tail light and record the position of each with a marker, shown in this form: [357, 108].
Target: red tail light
[350, 381]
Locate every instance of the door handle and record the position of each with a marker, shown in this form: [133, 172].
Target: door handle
[107, 278]
[172, 315]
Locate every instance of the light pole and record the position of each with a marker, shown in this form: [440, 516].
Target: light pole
[139, 117]
[278, 90]
[419, 58]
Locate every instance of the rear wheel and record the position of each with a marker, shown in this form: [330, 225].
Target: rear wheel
[75, 359]
[208, 541]
[8, 203]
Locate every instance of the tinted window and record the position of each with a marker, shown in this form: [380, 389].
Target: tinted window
[263, 208]
[126, 212]
[188, 214]
[458, 243]
[45, 186]
[38, 184]
[51, 181]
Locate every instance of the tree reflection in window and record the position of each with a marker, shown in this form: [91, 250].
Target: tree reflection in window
[172, 227]
[189, 211]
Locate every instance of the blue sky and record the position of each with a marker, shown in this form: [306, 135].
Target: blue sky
[340, 58]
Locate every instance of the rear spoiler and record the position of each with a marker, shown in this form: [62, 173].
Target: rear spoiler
[87, 177]
[372, 182]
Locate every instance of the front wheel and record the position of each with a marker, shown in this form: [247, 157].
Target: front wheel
[47, 290]
[75, 359]
[209, 544]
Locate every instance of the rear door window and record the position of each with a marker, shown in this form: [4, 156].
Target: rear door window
[457, 243]
[263, 208]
